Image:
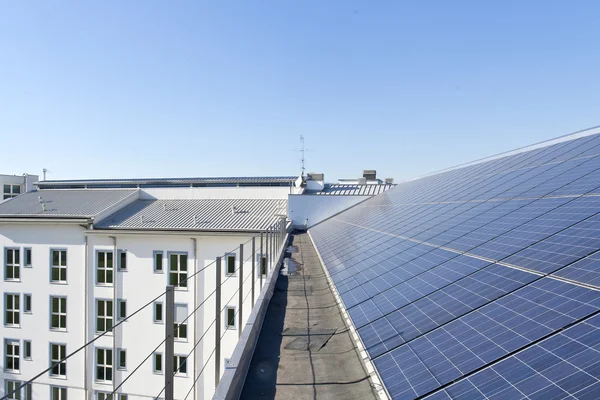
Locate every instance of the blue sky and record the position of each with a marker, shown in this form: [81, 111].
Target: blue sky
[111, 89]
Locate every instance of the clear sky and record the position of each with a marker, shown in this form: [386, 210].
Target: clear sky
[115, 89]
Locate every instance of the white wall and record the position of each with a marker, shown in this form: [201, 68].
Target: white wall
[264, 192]
[315, 208]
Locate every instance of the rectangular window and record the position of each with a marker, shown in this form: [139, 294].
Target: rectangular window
[230, 318]
[104, 267]
[14, 391]
[157, 363]
[158, 261]
[263, 264]
[178, 269]
[27, 349]
[181, 314]
[230, 264]
[158, 313]
[58, 312]
[104, 315]
[10, 191]
[58, 273]
[122, 260]
[12, 308]
[180, 365]
[27, 261]
[57, 353]
[104, 367]
[122, 309]
[12, 355]
[27, 305]
[12, 265]
[107, 396]
[58, 393]
[122, 362]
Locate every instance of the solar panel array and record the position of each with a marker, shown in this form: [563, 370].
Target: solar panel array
[481, 281]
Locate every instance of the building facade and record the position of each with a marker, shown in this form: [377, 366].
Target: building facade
[76, 262]
[14, 185]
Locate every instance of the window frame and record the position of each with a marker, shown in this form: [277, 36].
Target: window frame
[227, 257]
[52, 360]
[13, 265]
[120, 254]
[177, 365]
[11, 194]
[178, 326]
[162, 318]
[62, 392]
[106, 269]
[25, 393]
[14, 357]
[178, 272]
[27, 342]
[27, 257]
[121, 352]
[121, 303]
[27, 310]
[105, 317]
[227, 325]
[14, 311]
[59, 313]
[106, 366]
[162, 261]
[154, 363]
[59, 267]
[259, 258]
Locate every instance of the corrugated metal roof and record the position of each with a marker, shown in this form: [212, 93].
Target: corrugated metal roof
[64, 203]
[162, 182]
[197, 214]
[336, 189]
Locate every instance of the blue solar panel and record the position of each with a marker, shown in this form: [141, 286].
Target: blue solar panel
[445, 275]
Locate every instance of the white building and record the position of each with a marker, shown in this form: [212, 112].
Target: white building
[78, 256]
[14, 185]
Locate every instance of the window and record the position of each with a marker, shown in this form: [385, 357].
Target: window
[58, 393]
[104, 268]
[104, 315]
[23, 393]
[122, 309]
[58, 312]
[57, 353]
[27, 261]
[11, 355]
[12, 315]
[107, 396]
[181, 314]
[157, 363]
[178, 270]
[263, 264]
[12, 265]
[27, 349]
[104, 368]
[180, 365]
[158, 261]
[27, 301]
[122, 260]
[158, 313]
[230, 318]
[230, 264]
[11, 191]
[122, 361]
[59, 266]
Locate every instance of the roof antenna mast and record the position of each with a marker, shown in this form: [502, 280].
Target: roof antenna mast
[302, 151]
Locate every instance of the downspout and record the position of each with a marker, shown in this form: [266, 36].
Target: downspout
[115, 273]
[85, 317]
[195, 314]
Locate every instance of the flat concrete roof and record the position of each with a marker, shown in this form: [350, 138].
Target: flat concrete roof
[304, 350]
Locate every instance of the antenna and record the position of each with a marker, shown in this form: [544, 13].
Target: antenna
[302, 151]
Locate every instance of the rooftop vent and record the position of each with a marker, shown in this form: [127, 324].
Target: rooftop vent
[362, 181]
[314, 176]
[370, 174]
[389, 181]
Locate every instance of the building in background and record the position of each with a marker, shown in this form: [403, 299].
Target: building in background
[79, 256]
[14, 185]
